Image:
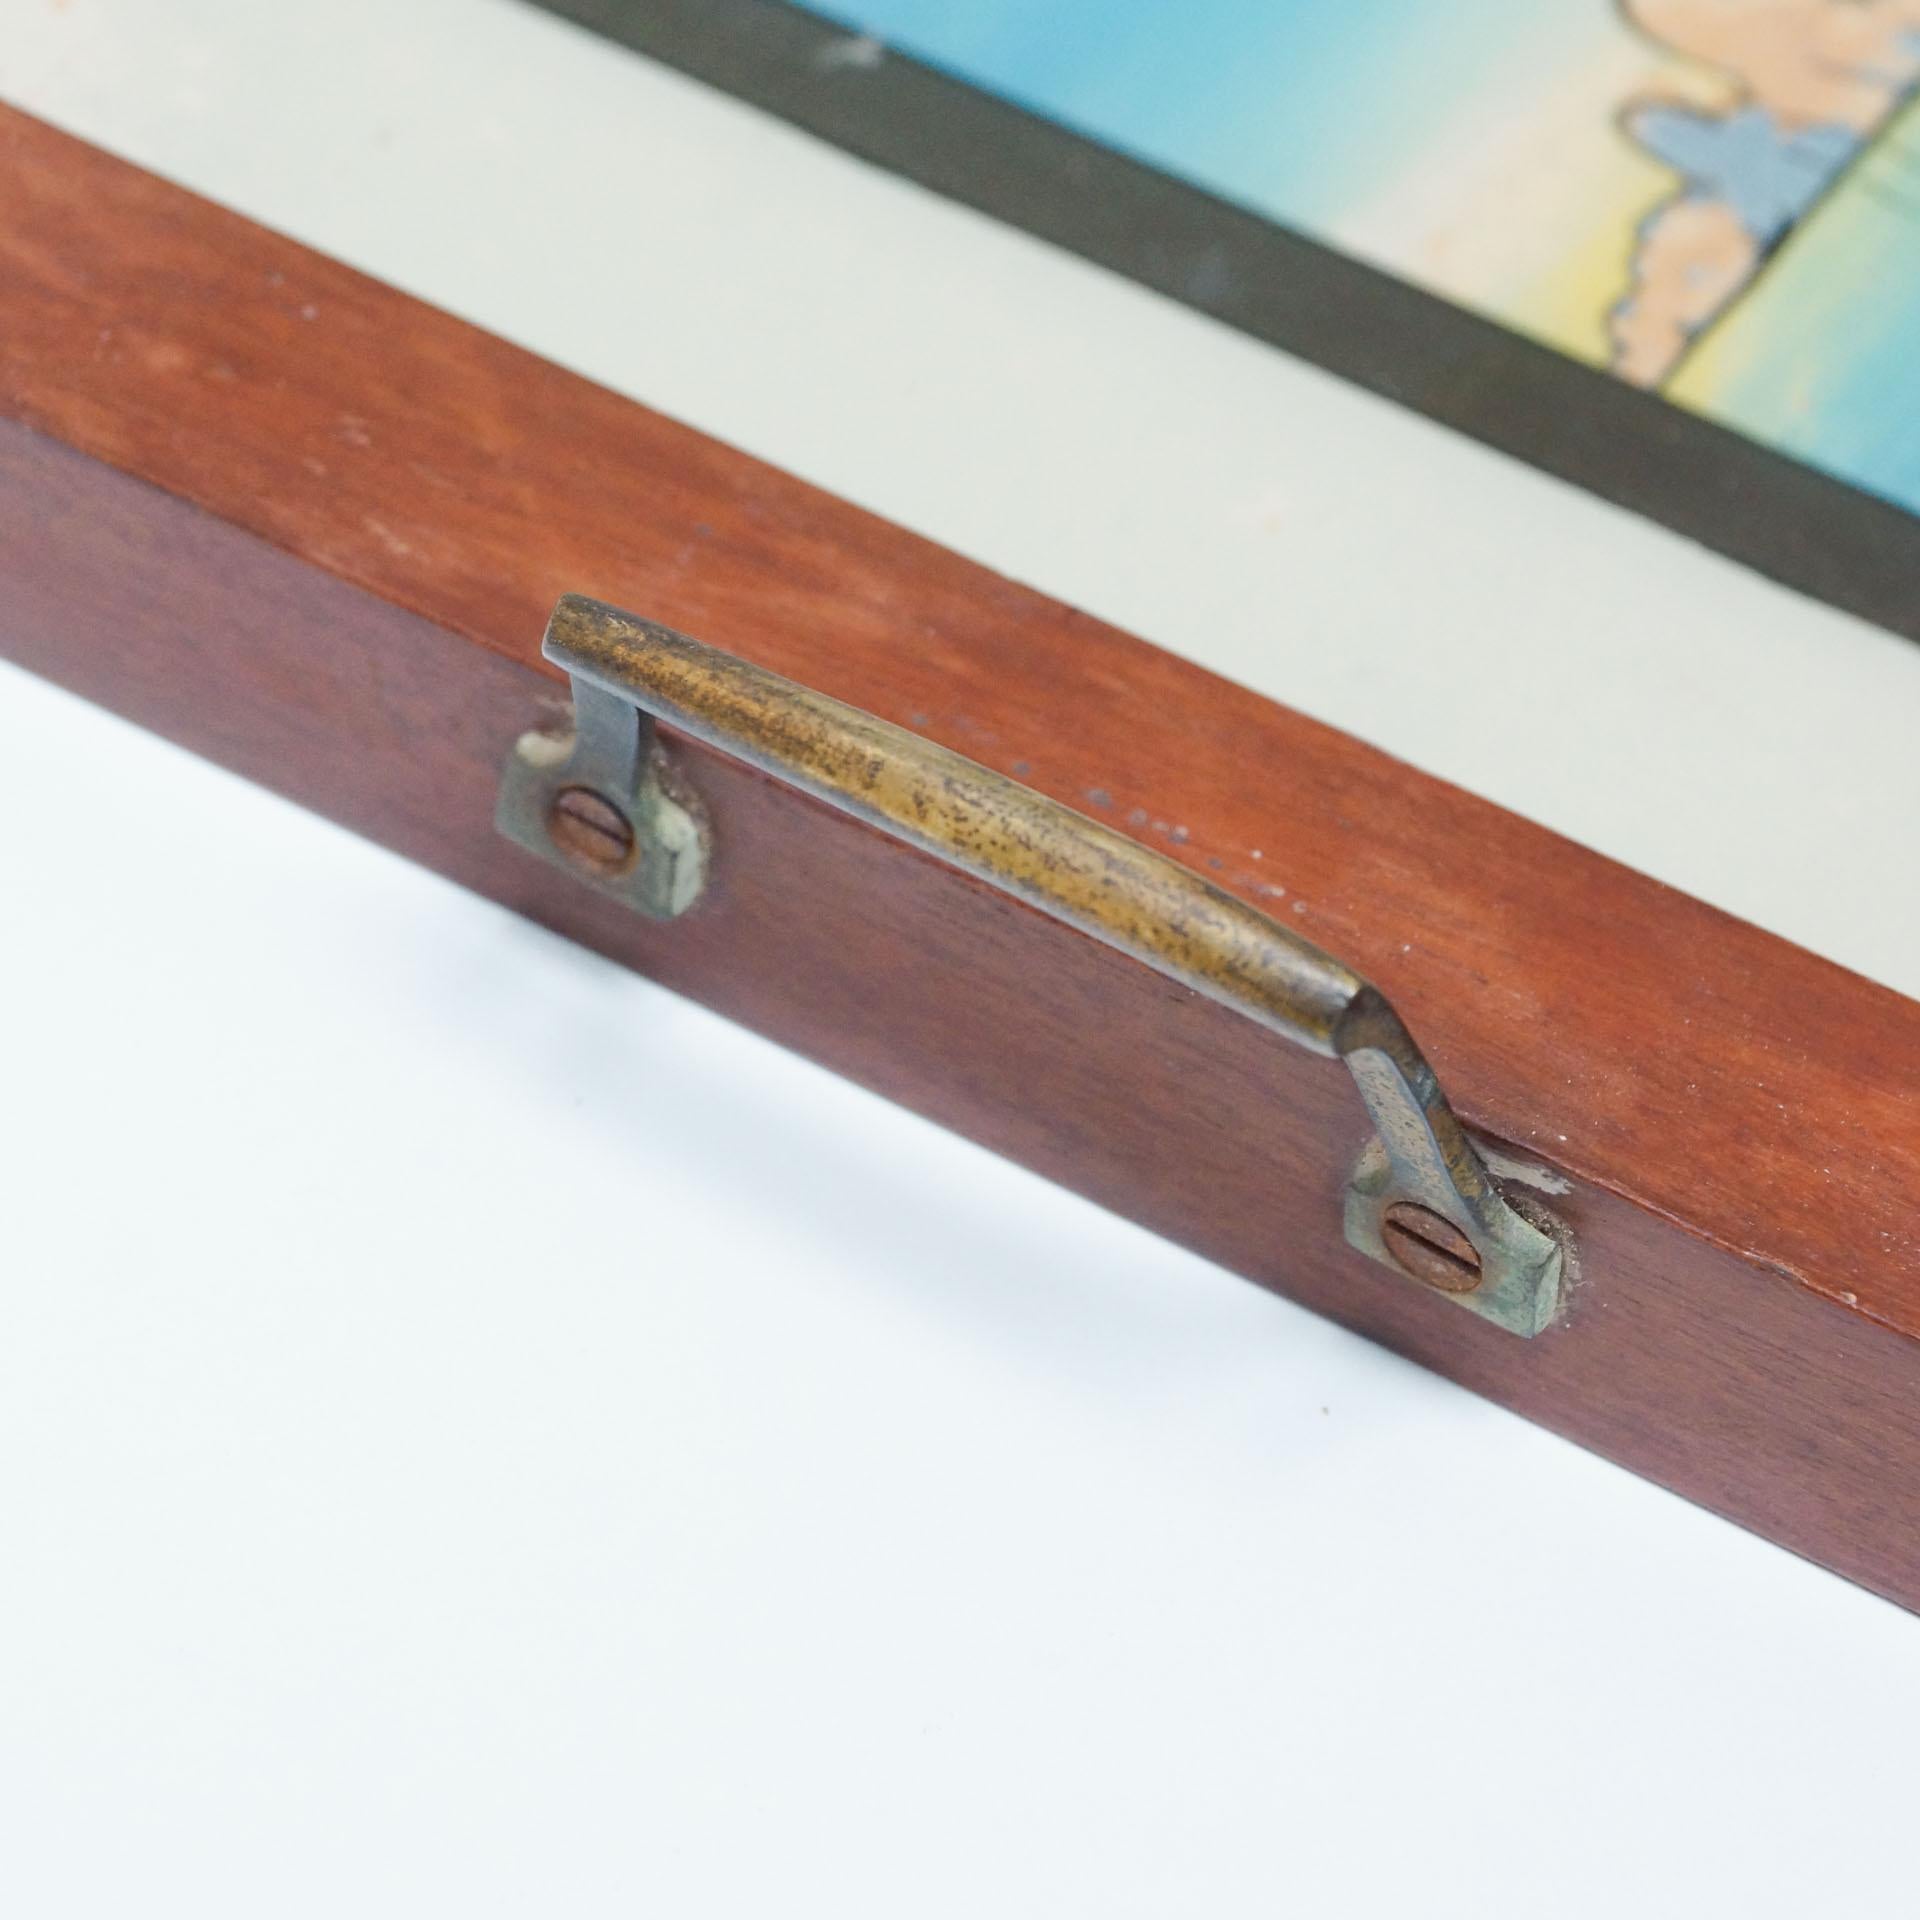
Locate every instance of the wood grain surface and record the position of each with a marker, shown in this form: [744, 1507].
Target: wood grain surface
[312, 529]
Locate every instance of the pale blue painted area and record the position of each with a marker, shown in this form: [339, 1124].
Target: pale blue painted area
[1300, 109]
[1820, 359]
[1859, 423]
[1767, 175]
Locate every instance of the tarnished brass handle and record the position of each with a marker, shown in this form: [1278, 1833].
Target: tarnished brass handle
[603, 804]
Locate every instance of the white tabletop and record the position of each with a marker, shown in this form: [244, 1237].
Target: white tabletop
[479, 1435]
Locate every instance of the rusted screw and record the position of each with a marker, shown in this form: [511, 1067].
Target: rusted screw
[1430, 1248]
[590, 830]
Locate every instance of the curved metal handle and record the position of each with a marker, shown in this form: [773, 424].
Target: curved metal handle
[1420, 1200]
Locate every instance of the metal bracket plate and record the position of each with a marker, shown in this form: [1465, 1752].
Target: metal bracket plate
[602, 803]
[1421, 1200]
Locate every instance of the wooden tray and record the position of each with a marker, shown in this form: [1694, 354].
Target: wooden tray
[324, 556]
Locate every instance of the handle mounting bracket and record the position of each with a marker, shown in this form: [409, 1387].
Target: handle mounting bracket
[602, 802]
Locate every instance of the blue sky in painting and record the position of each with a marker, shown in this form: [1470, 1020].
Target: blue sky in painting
[1342, 118]
[1297, 107]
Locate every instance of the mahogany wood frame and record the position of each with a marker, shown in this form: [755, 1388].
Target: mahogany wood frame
[311, 529]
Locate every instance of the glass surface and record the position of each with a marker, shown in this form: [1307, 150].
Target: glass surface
[1718, 200]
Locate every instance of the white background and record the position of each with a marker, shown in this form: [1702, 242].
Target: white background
[480, 1436]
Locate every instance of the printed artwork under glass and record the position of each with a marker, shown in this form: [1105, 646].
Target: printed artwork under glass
[1716, 200]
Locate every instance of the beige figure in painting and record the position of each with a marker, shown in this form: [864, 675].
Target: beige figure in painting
[1810, 81]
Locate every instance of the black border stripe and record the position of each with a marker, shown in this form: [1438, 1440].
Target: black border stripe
[1765, 509]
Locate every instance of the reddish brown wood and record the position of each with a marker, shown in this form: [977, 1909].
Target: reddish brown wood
[312, 529]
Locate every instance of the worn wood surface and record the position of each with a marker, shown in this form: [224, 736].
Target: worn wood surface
[312, 529]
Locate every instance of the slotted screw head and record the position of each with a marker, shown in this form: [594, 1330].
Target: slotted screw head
[590, 829]
[1429, 1248]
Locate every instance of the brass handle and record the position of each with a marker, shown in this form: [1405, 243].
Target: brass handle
[1420, 1199]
